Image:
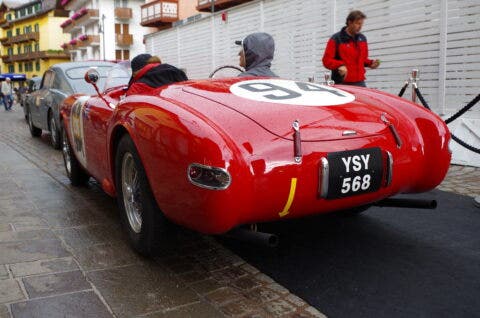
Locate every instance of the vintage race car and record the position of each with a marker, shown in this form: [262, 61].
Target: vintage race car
[215, 154]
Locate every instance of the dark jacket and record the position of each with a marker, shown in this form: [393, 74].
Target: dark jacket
[259, 49]
[342, 49]
[153, 76]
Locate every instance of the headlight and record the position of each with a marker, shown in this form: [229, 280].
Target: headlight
[207, 177]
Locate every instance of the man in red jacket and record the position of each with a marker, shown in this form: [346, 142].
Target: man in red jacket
[347, 52]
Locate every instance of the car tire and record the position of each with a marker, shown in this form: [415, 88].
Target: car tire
[55, 139]
[75, 172]
[141, 217]
[34, 131]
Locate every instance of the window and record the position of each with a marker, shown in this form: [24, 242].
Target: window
[122, 54]
[37, 66]
[36, 27]
[9, 34]
[37, 6]
[10, 51]
[30, 10]
[9, 17]
[125, 29]
[121, 3]
[11, 68]
[17, 31]
[19, 49]
[37, 47]
[20, 67]
[27, 29]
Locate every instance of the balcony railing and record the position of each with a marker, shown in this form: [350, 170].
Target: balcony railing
[32, 36]
[34, 56]
[206, 5]
[123, 13]
[124, 39]
[159, 13]
[90, 16]
[91, 40]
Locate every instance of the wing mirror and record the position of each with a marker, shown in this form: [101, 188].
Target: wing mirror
[92, 76]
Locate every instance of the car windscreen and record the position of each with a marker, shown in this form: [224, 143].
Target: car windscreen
[76, 79]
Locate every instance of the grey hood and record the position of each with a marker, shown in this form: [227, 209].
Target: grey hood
[259, 49]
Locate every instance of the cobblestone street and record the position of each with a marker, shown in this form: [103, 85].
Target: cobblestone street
[62, 252]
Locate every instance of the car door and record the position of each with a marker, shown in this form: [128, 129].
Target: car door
[37, 100]
[58, 92]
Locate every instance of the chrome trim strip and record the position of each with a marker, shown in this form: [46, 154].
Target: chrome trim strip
[324, 178]
[389, 168]
[211, 168]
[349, 133]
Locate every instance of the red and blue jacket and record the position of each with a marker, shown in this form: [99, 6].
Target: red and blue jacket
[343, 49]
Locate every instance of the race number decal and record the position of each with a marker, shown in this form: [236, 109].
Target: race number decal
[291, 92]
[77, 132]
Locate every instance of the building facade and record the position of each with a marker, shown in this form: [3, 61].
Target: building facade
[102, 30]
[30, 39]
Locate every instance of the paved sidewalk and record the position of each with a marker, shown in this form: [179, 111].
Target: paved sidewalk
[62, 252]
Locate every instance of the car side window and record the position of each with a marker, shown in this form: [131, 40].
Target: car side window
[47, 79]
[61, 84]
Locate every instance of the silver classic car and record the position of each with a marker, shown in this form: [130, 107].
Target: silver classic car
[59, 81]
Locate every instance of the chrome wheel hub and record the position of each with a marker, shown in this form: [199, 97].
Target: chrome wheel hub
[131, 192]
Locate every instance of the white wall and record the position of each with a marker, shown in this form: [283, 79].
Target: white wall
[439, 37]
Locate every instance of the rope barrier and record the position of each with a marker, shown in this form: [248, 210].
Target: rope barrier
[420, 97]
[463, 110]
[402, 91]
[463, 143]
[452, 118]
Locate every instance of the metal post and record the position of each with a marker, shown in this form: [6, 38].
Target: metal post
[414, 79]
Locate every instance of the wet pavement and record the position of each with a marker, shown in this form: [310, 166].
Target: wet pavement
[62, 251]
[63, 254]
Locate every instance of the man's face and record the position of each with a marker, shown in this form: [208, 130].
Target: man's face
[354, 27]
[241, 61]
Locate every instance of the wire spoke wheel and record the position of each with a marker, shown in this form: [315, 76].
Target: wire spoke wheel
[131, 192]
[66, 153]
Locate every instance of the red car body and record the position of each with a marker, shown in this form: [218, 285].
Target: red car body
[204, 122]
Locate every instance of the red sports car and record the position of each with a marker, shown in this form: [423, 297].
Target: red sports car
[215, 154]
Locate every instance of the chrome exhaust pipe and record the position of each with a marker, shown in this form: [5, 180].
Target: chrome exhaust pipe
[407, 203]
[253, 236]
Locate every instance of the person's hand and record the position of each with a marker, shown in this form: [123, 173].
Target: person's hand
[375, 64]
[342, 70]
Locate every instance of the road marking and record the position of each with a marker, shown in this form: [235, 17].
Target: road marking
[291, 195]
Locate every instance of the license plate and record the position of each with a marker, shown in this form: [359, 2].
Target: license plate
[351, 173]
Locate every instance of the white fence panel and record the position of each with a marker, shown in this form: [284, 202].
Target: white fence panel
[440, 38]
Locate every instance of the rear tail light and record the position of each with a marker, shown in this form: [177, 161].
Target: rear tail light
[207, 177]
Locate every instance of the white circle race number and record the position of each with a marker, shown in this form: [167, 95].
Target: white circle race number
[291, 92]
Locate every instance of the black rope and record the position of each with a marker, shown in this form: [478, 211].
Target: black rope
[402, 91]
[452, 118]
[420, 97]
[463, 143]
[463, 110]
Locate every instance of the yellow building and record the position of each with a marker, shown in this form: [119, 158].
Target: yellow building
[31, 37]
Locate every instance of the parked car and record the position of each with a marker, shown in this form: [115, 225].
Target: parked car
[215, 154]
[59, 81]
[33, 84]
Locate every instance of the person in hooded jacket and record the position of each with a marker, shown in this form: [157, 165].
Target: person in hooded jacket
[148, 72]
[256, 55]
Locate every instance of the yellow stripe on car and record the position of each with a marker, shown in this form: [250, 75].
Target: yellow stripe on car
[291, 195]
